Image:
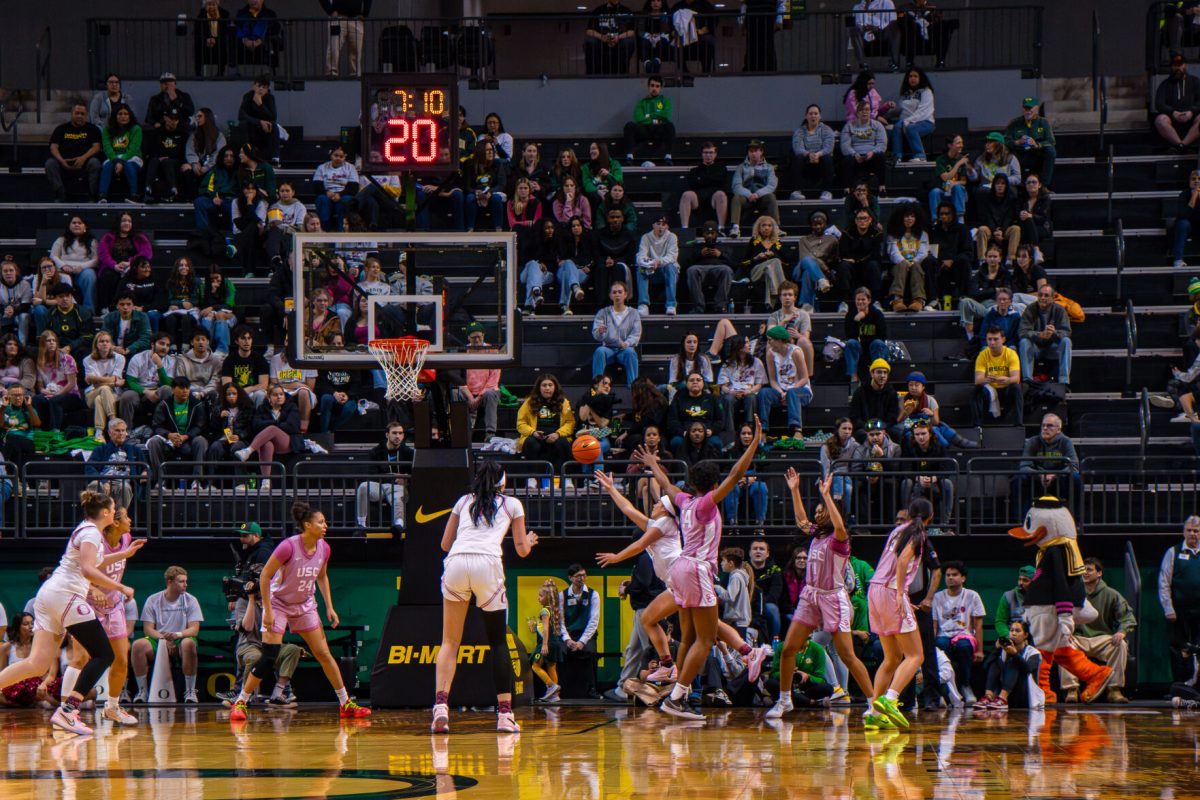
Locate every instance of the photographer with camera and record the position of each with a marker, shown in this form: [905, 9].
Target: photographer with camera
[247, 621]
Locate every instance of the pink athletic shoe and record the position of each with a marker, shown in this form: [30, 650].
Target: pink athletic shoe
[69, 721]
[663, 675]
[755, 660]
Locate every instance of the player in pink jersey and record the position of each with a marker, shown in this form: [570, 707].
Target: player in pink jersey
[661, 541]
[892, 617]
[61, 606]
[692, 574]
[824, 603]
[288, 584]
[110, 607]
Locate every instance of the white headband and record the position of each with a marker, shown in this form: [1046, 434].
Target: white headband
[668, 506]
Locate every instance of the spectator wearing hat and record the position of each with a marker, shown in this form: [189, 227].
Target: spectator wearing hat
[875, 399]
[1177, 106]
[253, 548]
[651, 123]
[996, 159]
[919, 405]
[709, 262]
[1012, 603]
[863, 144]
[169, 97]
[1031, 138]
[787, 380]
[75, 154]
[259, 118]
[657, 262]
[1187, 218]
[866, 334]
[165, 150]
[875, 456]
[1045, 330]
[997, 381]
[754, 183]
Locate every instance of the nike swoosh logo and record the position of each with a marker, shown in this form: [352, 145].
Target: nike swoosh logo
[421, 517]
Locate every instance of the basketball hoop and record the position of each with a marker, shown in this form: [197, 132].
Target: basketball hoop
[401, 360]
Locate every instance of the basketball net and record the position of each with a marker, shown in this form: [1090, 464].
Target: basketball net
[401, 360]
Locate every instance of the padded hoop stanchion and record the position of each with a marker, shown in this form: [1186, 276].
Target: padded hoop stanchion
[401, 360]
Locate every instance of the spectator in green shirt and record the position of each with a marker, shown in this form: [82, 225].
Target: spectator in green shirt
[1031, 140]
[1012, 603]
[651, 124]
[811, 684]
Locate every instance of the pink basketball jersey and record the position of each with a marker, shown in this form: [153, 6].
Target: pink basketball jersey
[827, 559]
[296, 580]
[885, 572]
[115, 571]
[700, 526]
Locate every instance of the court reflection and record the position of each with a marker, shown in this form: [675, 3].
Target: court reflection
[592, 754]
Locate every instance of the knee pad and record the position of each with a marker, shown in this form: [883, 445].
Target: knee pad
[265, 666]
[497, 635]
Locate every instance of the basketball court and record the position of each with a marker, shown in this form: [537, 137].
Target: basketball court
[581, 752]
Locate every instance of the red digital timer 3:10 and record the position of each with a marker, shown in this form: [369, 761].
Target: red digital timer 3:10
[410, 123]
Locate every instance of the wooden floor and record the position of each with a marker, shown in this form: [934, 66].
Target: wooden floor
[591, 753]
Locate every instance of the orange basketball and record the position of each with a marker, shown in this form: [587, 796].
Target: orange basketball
[586, 449]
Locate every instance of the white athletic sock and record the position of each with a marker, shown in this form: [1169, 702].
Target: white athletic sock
[892, 694]
[362, 521]
[343, 696]
[69, 677]
[679, 691]
[189, 682]
[277, 691]
[143, 682]
[243, 696]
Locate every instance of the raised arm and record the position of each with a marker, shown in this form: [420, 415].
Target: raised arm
[835, 516]
[739, 469]
[622, 502]
[650, 460]
[793, 482]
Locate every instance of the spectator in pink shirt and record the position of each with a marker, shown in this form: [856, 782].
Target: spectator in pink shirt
[482, 388]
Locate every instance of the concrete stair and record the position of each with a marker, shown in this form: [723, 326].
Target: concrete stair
[1069, 103]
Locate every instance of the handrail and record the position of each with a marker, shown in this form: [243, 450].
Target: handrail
[1110, 170]
[1143, 424]
[42, 68]
[1119, 240]
[1095, 59]
[529, 46]
[1131, 342]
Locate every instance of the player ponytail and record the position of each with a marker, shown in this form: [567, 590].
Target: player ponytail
[919, 510]
[94, 502]
[486, 487]
[302, 513]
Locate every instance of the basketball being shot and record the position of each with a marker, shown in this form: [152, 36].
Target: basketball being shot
[681, 399]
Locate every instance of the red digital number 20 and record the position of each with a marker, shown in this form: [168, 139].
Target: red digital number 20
[416, 140]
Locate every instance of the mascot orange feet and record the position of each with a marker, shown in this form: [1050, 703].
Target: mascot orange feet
[1094, 676]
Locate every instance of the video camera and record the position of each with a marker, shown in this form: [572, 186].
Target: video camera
[243, 584]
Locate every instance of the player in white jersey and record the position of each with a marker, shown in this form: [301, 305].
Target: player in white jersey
[474, 567]
[691, 576]
[61, 606]
[662, 541]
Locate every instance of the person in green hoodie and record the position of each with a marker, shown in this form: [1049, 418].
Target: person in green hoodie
[121, 140]
[1031, 140]
[218, 189]
[651, 123]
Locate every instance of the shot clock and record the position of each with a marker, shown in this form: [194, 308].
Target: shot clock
[410, 123]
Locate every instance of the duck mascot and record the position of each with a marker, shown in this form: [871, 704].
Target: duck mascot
[1056, 597]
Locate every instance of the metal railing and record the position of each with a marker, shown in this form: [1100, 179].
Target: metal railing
[556, 45]
[1099, 81]
[1120, 244]
[989, 495]
[1131, 343]
[43, 57]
